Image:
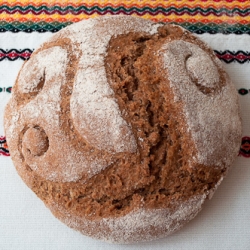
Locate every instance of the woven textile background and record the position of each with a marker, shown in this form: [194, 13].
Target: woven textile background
[224, 223]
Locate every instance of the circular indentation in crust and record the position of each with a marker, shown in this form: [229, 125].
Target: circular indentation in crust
[198, 64]
[202, 71]
[35, 141]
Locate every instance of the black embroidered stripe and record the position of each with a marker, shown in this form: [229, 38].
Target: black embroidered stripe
[4, 89]
[199, 28]
[3, 147]
[243, 91]
[5, 150]
[14, 54]
[2, 140]
[245, 147]
[228, 56]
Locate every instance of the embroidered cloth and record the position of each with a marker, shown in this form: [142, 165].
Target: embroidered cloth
[224, 223]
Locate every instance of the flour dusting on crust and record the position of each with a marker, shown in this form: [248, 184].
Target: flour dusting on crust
[208, 134]
[135, 226]
[44, 111]
[65, 129]
[95, 112]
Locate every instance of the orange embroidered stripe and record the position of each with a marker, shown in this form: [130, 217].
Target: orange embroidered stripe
[160, 17]
[180, 3]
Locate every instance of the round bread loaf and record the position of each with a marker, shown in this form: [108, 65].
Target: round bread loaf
[123, 127]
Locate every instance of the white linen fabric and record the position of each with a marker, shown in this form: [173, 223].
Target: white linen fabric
[223, 224]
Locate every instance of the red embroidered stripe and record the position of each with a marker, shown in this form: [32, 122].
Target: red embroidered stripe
[14, 54]
[245, 147]
[231, 56]
[3, 146]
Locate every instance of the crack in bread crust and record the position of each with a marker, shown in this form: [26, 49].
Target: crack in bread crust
[161, 170]
[107, 187]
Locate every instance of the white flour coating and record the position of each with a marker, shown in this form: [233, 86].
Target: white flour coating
[209, 134]
[94, 109]
[98, 119]
[96, 113]
[135, 226]
[44, 111]
[212, 191]
[204, 72]
[28, 82]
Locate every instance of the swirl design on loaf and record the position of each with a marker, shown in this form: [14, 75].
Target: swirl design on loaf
[116, 124]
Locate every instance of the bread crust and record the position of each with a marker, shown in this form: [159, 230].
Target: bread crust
[123, 127]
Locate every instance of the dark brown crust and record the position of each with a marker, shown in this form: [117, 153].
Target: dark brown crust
[162, 170]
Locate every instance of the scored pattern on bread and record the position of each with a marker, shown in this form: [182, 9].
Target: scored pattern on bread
[100, 126]
[211, 89]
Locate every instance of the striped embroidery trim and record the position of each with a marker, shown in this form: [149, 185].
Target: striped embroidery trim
[243, 91]
[192, 25]
[233, 56]
[245, 147]
[123, 9]
[116, 2]
[14, 54]
[4, 147]
[141, 3]
[5, 89]
[226, 56]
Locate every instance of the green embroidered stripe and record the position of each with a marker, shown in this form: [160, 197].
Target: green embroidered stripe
[198, 28]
